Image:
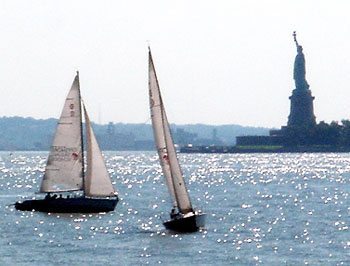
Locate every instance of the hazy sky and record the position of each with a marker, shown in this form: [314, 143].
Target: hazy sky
[218, 62]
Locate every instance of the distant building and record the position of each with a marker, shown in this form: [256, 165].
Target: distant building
[185, 138]
[301, 115]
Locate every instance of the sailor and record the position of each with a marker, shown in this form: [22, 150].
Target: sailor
[173, 214]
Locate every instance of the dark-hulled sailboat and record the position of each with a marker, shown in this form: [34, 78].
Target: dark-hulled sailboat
[64, 171]
[183, 218]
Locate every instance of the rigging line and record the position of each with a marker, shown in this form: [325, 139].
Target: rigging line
[147, 121]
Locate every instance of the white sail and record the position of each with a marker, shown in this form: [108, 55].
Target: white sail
[165, 146]
[97, 182]
[64, 168]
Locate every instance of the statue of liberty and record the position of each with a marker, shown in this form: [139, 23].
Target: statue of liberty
[301, 105]
[299, 67]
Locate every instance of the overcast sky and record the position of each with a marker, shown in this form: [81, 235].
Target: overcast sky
[218, 62]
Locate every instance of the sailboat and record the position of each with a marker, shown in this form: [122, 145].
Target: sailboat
[86, 192]
[183, 218]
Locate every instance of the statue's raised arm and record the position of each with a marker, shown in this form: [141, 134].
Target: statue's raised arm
[295, 38]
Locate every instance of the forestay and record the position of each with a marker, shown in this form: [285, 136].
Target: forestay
[97, 182]
[64, 168]
[165, 146]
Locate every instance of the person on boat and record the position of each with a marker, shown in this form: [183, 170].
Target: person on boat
[173, 213]
[48, 196]
[54, 196]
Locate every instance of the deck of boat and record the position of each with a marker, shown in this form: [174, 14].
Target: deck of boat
[185, 224]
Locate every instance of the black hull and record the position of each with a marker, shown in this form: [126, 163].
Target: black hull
[68, 205]
[186, 224]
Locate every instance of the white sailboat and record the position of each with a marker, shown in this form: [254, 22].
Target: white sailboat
[64, 171]
[182, 217]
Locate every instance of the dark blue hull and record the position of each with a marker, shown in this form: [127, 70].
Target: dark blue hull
[68, 205]
[186, 224]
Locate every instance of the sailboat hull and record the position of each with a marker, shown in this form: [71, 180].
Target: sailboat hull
[68, 205]
[186, 224]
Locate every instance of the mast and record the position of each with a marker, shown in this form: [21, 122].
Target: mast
[82, 139]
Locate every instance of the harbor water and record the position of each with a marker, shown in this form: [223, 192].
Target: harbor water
[262, 209]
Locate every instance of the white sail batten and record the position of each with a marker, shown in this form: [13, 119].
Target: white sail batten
[97, 182]
[165, 146]
[64, 167]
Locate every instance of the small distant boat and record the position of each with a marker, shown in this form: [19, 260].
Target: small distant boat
[183, 218]
[64, 170]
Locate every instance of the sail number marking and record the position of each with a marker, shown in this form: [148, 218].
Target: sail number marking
[63, 154]
[71, 107]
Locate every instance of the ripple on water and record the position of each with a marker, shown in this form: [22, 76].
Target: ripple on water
[262, 209]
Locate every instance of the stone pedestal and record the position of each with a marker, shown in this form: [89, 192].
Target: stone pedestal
[301, 109]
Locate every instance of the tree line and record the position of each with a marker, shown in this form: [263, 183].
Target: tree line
[332, 134]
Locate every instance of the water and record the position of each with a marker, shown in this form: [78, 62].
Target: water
[267, 209]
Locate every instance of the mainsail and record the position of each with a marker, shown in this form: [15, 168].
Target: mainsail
[64, 167]
[165, 146]
[97, 182]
